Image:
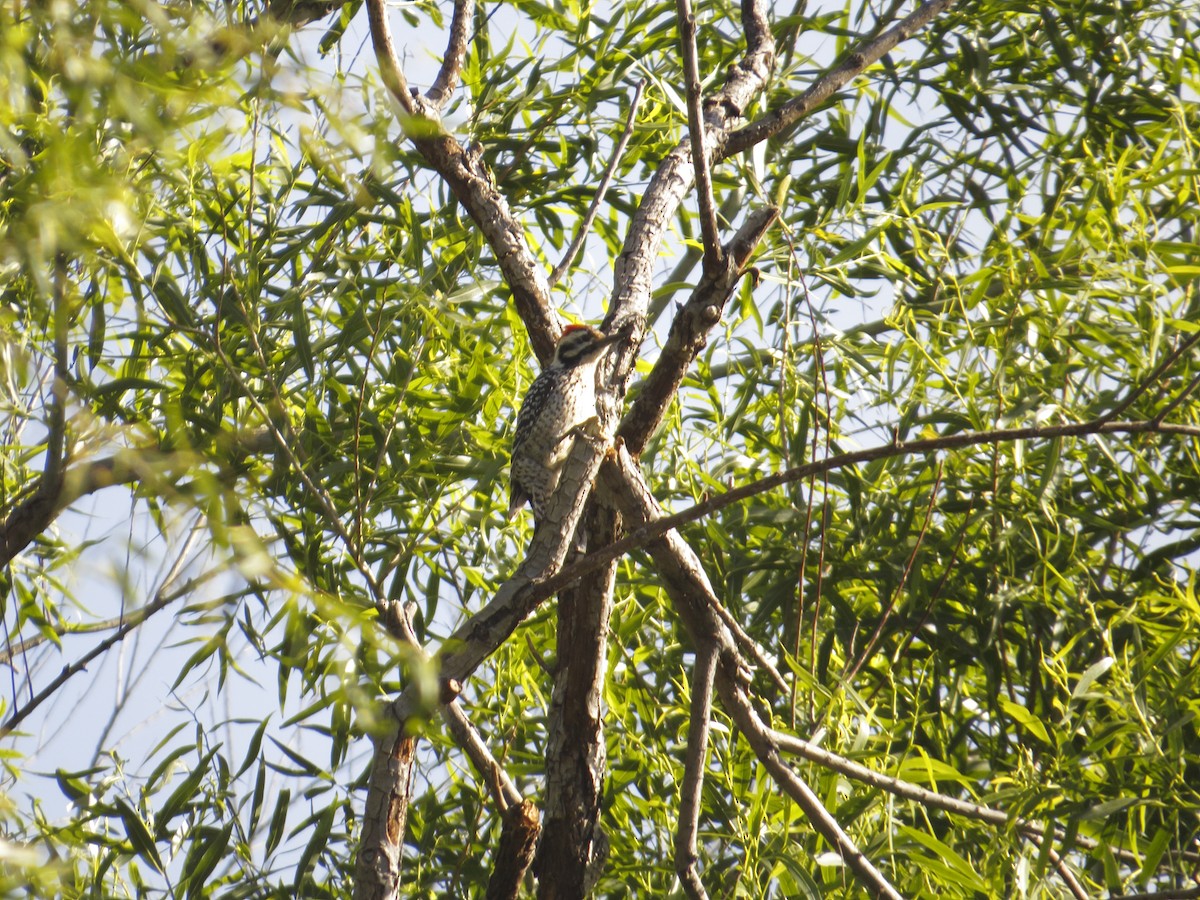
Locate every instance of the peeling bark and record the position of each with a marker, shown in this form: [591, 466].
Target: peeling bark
[575, 753]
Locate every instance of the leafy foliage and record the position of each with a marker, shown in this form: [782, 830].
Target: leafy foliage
[237, 294]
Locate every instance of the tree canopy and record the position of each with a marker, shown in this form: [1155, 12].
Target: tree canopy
[891, 540]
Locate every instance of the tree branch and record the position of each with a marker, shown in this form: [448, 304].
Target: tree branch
[907, 790]
[575, 748]
[157, 468]
[159, 602]
[737, 703]
[377, 869]
[477, 638]
[855, 63]
[456, 51]
[605, 180]
[713, 252]
[642, 536]
[518, 840]
[472, 183]
[633, 270]
[693, 773]
[692, 594]
[689, 332]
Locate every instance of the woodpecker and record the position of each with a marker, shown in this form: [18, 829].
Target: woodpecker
[560, 399]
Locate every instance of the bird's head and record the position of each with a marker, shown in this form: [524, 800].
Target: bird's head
[581, 344]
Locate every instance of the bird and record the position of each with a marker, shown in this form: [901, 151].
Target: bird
[561, 398]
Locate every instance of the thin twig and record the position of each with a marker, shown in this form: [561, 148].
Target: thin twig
[704, 190]
[693, 773]
[1150, 380]
[1178, 399]
[605, 181]
[156, 605]
[853, 670]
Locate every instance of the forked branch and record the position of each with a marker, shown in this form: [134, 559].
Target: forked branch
[856, 62]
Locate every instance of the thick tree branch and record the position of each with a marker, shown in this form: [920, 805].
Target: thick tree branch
[377, 870]
[518, 840]
[856, 62]
[575, 749]
[480, 636]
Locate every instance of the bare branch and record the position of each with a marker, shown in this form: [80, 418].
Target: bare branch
[389, 63]
[605, 180]
[741, 710]
[161, 601]
[689, 332]
[634, 267]
[456, 51]
[857, 62]
[641, 536]
[693, 773]
[713, 251]
[907, 790]
[472, 183]
[466, 736]
[518, 840]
